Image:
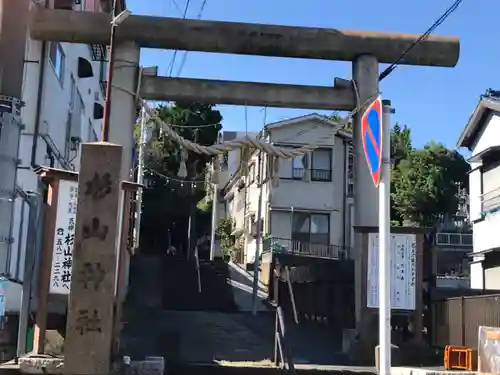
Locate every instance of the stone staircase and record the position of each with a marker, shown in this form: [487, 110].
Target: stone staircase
[180, 286]
[167, 316]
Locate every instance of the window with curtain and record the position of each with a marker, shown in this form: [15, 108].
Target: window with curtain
[293, 168]
[321, 165]
[311, 228]
[299, 165]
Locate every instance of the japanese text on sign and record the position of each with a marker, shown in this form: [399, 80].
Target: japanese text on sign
[64, 236]
[403, 250]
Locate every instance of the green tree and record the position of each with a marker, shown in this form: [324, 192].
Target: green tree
[224, 234]
[401, 147]
[426, 184]
[167, 204]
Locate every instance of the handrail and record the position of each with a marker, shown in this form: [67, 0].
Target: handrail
[197, 259]
[292, 296]
[280, 347]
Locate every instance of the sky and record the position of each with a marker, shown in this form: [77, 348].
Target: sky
[434, 102]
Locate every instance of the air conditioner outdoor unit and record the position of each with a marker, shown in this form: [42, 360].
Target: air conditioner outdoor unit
[97, 96]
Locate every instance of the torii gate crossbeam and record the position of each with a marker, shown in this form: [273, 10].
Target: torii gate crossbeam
[243, 38]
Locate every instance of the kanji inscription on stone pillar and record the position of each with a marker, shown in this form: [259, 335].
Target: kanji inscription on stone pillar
[89, 329]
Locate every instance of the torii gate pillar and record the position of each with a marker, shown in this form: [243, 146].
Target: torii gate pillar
[365, 75]
[123, 119]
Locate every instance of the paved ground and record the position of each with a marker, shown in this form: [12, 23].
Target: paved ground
[166, 319]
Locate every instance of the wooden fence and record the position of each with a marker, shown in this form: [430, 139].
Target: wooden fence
[455, 321]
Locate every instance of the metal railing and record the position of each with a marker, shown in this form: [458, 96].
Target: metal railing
[490, 201]
[321, 175]
[282, 353]
[454, 239]
[198, 275]
[312, 174]
[294, 247]
[298, 173]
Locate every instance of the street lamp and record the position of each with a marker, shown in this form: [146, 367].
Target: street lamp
[115, 22]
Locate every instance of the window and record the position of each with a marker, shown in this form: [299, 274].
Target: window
[490, 185]
[299, 165]
[251, 173]
[57, 59]
[321, 165]
[311, 228]
[316, 166]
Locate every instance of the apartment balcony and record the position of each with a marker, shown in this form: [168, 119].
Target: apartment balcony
[490, 201]
[324, 175]
[452, 281]
[299, 248]
[459, 240]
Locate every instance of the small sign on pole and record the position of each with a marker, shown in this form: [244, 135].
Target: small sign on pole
[371, 135]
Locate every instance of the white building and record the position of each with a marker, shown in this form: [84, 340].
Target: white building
[482, 137]
[62, 88]
[310, 210]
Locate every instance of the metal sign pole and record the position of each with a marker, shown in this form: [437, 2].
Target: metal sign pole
[384, 253]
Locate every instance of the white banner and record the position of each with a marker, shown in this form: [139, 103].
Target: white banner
[64, 236]
[403, 252]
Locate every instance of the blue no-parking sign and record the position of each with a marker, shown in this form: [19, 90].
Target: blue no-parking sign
[371, 134]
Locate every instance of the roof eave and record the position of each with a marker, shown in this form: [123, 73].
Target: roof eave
[469, 134]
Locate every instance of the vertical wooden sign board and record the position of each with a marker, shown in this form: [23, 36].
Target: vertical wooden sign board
[89, 329]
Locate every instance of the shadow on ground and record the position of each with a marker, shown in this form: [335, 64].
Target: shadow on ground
[180, 286]
[165, 315]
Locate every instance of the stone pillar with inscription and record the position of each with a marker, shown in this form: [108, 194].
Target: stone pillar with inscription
[87, 347]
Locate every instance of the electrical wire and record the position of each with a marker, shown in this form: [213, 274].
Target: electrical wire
[184, 56]
[424, 36]
[168, 178]
[383, 75]
[172, 63]
[176, 4]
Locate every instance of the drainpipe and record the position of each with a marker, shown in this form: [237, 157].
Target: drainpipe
[344, 200]
[38, 110]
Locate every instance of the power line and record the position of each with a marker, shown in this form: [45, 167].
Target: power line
[172, 63]
[424, 36]
[177, 6]
[184, 56]
[383, 75]
[173, 179]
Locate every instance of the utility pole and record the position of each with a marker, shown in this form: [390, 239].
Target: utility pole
[384, 252]
[109, 79]
[34, 202]
[215, 202]
[258, 236]
[140, 179]
[117, 20]
[215, 206]
[191, 225]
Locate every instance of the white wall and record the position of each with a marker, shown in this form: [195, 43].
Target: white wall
[53, 120]
[476, 276]
[321, 196]
[312, 196]
[489, 136]
[484, 230]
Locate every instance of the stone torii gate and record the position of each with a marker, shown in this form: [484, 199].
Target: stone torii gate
[364, 49]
